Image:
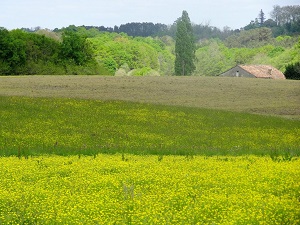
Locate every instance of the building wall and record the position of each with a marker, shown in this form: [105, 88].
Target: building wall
[237, 72]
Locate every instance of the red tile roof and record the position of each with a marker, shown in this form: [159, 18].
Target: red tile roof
[263, 71]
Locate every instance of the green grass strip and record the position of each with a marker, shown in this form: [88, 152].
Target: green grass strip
[35, 126]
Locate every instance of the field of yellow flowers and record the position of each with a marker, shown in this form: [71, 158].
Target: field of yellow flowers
[131, 189]
[71, 161]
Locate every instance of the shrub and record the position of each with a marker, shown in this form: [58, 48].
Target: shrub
[292, 71]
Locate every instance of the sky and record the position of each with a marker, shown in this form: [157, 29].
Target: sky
[62, 13]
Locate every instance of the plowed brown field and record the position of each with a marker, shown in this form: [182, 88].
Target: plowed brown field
[272, 97]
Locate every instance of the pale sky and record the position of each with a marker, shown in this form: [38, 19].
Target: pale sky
[62, 13]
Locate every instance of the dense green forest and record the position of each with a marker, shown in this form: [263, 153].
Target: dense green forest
[149, 49]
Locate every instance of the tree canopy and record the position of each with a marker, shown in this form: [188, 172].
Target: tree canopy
[154, 49]
[30, 53]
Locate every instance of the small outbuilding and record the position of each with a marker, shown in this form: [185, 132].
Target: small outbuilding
[254, 71]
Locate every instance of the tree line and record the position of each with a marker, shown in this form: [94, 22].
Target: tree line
[31, 53]
[135, 29]
[76, 50]
[284, 20]
[254, 46]
[183, 48]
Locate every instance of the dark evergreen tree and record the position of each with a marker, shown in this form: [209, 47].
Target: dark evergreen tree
[292, 71]
[185, 47]
[261, 18]
[142, 29]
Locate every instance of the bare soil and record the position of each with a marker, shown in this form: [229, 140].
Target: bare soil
[271, 97]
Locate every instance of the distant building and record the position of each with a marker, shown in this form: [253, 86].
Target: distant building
[254, 71]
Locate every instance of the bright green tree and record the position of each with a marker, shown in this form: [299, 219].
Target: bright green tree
[185, 47]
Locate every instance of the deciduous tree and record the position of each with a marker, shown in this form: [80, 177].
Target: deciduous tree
[76, 48]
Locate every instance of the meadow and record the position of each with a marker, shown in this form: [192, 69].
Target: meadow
[36, 126]
[108, 189]
[73, 151]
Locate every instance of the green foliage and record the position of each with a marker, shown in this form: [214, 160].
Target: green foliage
[281, 156]
[70, 127]
[142, 29]
[276, 51]
[145, 71]
[286, 19]
[254, 24]
[75, 48]
[110, 64]
[12, 51]
[292, 71]
[185, 46]
[78, 50]
[250, 38]
[30, 53]
[115, 50]
[215, 57]
[4, 67]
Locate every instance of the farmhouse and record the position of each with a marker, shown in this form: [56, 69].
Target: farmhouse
[254, 71]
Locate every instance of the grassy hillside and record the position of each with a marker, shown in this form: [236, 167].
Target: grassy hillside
[69, 126]
[269, 97]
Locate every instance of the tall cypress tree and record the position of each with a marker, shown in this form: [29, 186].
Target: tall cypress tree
[261, 18]
[185, 46]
